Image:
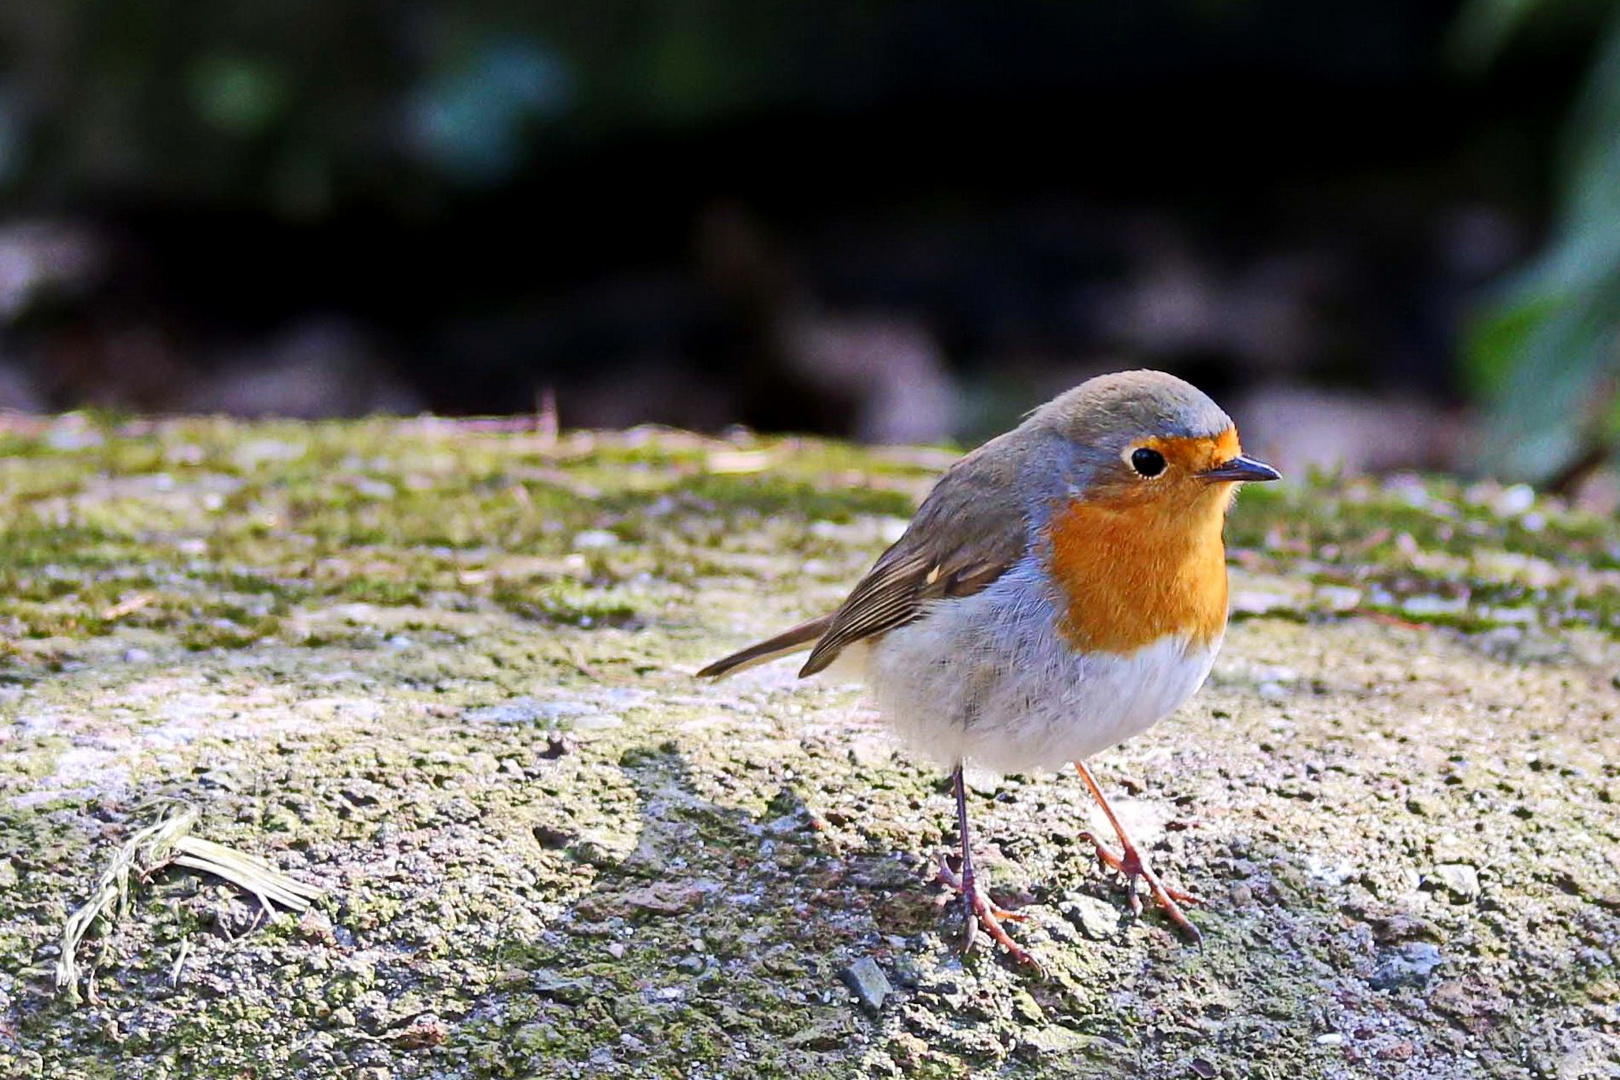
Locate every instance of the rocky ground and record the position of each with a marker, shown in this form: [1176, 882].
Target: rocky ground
[442, 672]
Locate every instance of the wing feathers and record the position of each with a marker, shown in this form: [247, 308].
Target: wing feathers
[788, 641]
[970, 530]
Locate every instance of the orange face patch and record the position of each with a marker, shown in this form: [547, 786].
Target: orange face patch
[1137, 560]
[1198, 453]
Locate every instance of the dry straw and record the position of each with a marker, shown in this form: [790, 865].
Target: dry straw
[167, 842]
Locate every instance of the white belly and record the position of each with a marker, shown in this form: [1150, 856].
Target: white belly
[988, 679]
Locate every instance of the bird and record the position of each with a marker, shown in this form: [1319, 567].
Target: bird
[1061, 588]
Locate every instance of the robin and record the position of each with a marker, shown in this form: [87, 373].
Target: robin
[1060, 589]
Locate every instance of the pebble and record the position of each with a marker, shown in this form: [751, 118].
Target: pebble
[1422, 806]
[522, 710]
[1095, 918]
[579, 715]
[1272, 690]
[867, 982]
[599, 721]
[665, 898]
[1054, 1041]
[594, 540]
[548, 983]
[1410, 965]
[1338, 597]
[1459, 880]
[1430, 606]
[871, 750]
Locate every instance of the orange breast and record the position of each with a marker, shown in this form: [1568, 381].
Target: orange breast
[1132, 573]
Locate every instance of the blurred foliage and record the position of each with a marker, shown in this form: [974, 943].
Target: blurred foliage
[1545, 352]
[305, 107]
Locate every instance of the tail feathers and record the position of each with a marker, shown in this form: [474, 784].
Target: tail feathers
[799, 637]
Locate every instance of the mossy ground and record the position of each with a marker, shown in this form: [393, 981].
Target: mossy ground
[442, 671]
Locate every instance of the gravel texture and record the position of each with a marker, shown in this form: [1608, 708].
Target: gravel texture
[442, 672]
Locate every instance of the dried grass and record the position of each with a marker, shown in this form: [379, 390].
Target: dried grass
[166, 842]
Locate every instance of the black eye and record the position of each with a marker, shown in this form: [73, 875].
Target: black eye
[1147, 462]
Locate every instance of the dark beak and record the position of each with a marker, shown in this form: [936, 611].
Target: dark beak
[1244, 469]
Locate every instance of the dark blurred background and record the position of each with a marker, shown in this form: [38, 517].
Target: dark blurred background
[1387, 232]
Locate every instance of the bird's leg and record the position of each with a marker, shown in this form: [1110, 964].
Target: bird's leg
[1131, 864]
[978, 910]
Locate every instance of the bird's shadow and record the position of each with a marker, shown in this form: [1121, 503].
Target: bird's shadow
[717, 917]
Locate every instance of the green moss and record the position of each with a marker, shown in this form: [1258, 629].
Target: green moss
[316, 634]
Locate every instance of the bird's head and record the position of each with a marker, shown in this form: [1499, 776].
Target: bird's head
[1146, 439]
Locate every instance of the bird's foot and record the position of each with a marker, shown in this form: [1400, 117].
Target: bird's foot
[981, 912]
[1134, 868]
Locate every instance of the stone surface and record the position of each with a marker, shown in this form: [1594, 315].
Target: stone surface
[362, 652]
[1458, 880]
[1095, 918]
[867, 982]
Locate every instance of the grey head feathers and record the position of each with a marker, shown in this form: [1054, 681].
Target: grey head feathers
[1111, 410]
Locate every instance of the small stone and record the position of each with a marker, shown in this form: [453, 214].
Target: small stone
[1054, 1041]
[1096, 919]
[548, 983]
[1203, 1069]
[423, 1033]
[871, 750]
[1026, 1010]
[1410, 965]
[867, 982]
[598, 721]
[665, 898]
[616, 950]
[1515, 500]
[1392, 929]
[1453, 999]
[521, 710]
[1271, 690]
[1401, 1051]
[981, 781]
[1332, 1038]
[315, 926]
[1459, 880]
[1338, 597]
[594, 540]
[691, 965]
[1429, 606]
[552, 838]
[534, 1038]
[1421, 806]
[822, 1035]
[906, 972]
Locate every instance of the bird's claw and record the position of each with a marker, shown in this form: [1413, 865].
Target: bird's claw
[1133, 867]
[981, 912]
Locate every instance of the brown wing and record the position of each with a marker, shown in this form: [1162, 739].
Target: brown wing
[799, 637]
[968, 532]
